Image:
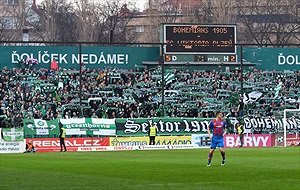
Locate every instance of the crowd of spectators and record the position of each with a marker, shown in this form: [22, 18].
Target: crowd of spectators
[132, 93]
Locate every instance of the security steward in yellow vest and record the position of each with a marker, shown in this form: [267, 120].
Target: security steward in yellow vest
[152, 133]
[240, 129]
[62, 136]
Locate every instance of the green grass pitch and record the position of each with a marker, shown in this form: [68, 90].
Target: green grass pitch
[246, 168]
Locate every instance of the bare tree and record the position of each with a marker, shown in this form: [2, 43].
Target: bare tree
[84, 21]
[14, 18]
[215, 11]
[90, 22]
[273, 21]
[58, 21]
[260, 22]
[175, 11]
[68, 21]
[115, 19]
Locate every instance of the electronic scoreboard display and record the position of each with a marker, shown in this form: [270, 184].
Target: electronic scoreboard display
[199, 39]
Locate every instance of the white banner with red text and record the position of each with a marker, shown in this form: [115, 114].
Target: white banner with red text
[144, 147]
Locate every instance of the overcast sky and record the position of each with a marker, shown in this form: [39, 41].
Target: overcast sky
[140, 3]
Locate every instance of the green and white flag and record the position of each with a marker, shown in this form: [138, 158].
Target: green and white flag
[40, 127]
[251, 97]
[169, 78]
[13, 134]
[75, 126]
[89, 126]
[277, 89]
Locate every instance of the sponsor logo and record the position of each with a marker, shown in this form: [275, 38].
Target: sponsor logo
[142, 147]
[101, 148]
[249, 141]
[123, 147]
[104, 148]
[201, 140]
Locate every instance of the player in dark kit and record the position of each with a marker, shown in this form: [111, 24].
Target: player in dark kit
[216, 132]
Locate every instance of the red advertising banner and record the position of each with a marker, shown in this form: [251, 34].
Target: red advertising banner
[72, 144]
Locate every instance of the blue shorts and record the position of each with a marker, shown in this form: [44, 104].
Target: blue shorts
[217, 141]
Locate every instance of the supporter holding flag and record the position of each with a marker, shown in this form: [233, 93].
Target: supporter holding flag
[31, 62]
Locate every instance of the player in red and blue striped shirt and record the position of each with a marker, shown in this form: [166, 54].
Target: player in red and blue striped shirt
[216, 132]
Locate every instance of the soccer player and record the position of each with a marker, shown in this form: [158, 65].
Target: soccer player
[216, 132]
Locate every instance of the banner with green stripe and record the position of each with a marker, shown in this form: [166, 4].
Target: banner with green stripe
[13, 134]
[40, 127]
[89, 126]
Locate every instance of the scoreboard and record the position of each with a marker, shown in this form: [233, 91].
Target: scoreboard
[199, 39]
[200, 58]
[215, 58]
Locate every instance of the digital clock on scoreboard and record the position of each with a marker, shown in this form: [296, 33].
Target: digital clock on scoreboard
[199, 39]
[200, 58]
